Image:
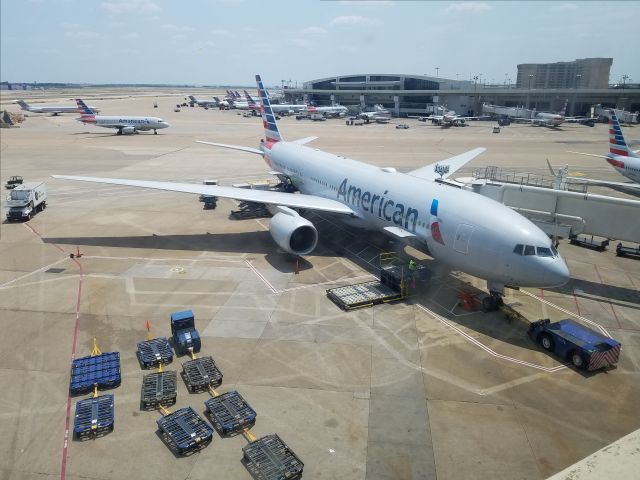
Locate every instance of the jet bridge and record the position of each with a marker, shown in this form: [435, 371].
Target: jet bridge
[558, 212]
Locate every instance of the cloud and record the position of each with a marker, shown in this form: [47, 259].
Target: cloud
[354, 20]
[130, 36]
[84, 35]
[564, 7]
[468, 7]
[117, 7]
[313, 31]
[221, 32]
[176, 28]
[301, 42]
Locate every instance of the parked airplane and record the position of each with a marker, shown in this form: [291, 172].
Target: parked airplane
[203, 103]
[332, 111]
[221, 103]
[378, 115]
[620, 156]
[449, 118]
[125, 125]
[53, 109]
[464, 230]
[280, 107]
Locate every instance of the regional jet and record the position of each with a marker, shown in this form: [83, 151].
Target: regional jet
[203, 103]
[53, 109]
[620, 156]
[463, 229]
[125, 124]
[280, 107]
[332, 111]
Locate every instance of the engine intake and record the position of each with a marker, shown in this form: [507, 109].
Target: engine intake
[293, 233]
[128, 130]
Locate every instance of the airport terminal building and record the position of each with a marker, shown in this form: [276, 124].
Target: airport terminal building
[405, 94]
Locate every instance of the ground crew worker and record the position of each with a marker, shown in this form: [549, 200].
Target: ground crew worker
[412, 267]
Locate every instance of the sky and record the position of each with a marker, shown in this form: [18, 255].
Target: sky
[226, 42]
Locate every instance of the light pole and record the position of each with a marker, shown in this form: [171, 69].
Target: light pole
[625, 77]
[437, 70]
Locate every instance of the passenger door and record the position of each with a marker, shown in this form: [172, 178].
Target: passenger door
[463, 235]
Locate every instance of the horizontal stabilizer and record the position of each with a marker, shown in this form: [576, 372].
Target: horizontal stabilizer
[233, 147]
[304, 141]
[309, 202]
[445, 168]
[399, 232]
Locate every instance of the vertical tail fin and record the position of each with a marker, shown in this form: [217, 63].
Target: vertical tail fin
[193, 99]
[24, 105]
[564, 109]
[617, 145]
[84, 110]
[250, 101]
[271, 132]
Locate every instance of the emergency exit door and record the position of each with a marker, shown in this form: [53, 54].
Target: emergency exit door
[463, 235]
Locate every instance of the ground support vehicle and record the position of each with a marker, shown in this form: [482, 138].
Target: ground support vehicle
[25, 200]
[230, 413]
[186, 338]
[590, 242]
[13, 182]
[94, 417]
[584, 348]
[622, 251]
[269, 458]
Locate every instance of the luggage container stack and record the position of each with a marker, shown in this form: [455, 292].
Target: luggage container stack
[101, 370]
[94, 417]
[230, 413]
[155, 352]
[185, 431]
[201, 374]
[269, 458]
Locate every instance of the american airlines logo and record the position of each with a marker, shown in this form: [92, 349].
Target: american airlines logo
[441, 169]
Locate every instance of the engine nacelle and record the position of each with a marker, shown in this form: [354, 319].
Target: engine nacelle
[128, 130]
[293, 233]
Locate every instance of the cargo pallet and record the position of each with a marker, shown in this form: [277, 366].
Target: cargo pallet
[200, 374]
[184, 431]
[153, 353]
[592, 243]
[102, 370]
[269, 458]
[230, 413]
[94, 417]
[361, 295]
[158, 389]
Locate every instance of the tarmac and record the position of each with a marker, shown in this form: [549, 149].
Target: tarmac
[417, 389]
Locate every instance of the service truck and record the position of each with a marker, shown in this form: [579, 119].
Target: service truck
[26, 200]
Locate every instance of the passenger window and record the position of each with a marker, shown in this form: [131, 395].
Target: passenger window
[544, 252]
[518, 249]
[529, 250]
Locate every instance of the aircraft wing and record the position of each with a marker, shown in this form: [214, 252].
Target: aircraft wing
[309, 202]
[445, 168]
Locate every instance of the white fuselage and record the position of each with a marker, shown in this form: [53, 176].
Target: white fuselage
[627, 166]
[55, 109]
[479, 235]
[548, 119]
[125, 123]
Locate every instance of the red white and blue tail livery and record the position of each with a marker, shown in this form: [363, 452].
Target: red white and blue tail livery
[271, 132]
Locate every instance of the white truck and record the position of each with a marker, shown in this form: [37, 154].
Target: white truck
[25, 200]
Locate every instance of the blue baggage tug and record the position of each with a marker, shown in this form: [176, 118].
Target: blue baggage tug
[585, 348]
[185, 336]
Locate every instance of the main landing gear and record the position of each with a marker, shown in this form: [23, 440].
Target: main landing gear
[155, 132]
[494, 301]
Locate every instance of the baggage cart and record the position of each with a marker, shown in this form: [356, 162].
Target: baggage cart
[94, 417]
[230, 413]
[200, 374]
[155, 352]
[184, 431]
[158, 389]
[269, 458]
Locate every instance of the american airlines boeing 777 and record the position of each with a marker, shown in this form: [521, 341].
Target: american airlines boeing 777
[464, 230]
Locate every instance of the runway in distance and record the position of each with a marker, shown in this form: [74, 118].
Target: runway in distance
[53, 109]
[620, 156]
[462, 229]
[126, 125]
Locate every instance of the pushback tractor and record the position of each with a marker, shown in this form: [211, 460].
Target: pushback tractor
[585, 348]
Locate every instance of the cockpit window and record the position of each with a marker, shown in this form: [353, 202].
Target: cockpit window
[529, 250]
[544, 252]
[518, 249]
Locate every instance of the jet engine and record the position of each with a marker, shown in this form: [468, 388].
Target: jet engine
[293, 233]
[128, 130]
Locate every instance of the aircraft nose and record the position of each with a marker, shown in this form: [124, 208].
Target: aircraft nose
[557, 273]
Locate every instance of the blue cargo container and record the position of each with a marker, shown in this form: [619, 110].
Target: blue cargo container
[583, 347]
[185, 335]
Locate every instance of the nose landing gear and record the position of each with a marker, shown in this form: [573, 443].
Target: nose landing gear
[492, 302]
